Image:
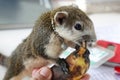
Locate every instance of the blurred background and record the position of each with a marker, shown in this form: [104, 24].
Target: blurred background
[17, 17]
[25, 12]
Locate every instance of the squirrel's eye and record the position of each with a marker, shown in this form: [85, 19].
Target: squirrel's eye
[78, 26]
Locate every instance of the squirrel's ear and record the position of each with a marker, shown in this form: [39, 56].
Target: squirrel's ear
[60, 17]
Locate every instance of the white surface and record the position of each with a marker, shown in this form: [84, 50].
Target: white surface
[102, 73]
[9, 39]
[107, 27]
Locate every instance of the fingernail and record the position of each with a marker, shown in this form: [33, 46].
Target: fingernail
[45, 72]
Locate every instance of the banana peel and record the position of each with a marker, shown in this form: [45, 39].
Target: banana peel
[73, 67]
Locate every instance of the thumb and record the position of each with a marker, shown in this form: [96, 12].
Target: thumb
[43, 73]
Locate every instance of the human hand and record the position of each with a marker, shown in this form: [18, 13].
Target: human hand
[45, 73]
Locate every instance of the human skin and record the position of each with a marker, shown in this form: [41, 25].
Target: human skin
[45, 73]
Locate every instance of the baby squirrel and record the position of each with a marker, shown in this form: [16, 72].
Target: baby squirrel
[52, 32]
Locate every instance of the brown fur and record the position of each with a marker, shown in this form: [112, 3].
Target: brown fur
[43, 46]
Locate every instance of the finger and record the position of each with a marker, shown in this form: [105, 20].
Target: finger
[42, 74]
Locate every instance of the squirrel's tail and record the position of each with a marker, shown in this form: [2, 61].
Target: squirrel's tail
[3, 60]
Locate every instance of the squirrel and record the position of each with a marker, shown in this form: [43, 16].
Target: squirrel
[52, 33]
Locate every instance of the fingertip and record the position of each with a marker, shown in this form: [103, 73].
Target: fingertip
[45, 72]
[34, 72]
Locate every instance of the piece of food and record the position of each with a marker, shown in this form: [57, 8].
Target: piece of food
[73, 67]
